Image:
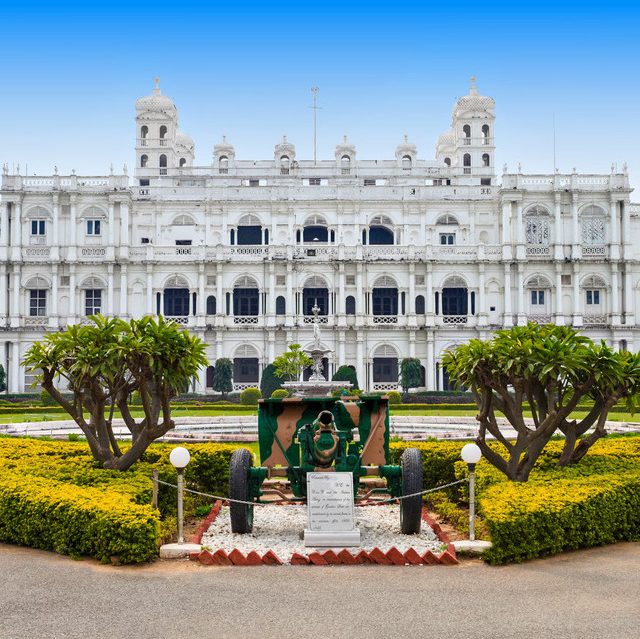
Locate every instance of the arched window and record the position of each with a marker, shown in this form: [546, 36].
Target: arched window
[315, 292]
[92, 287]
[537, 226]
[485, 134]
[37, 287]
[406, 163]
[281, 305]
[381, 230]
[447, 161]
[183, 161]
[284, 165]
[420, 309]
[466, 163]
[594, 226]
[466, 132]
[345, 164]
[183, 220]
[447, 220]
[163, 135]
[246, 365]
[485, 159]
[144, 159]
[223, 165]
[144, 133]
[454, 296]
[384, 296]
[350, 305]
[163, 164]
[539, 290]
[209, 376]
[211, 305]
[385, 365]
[176, 297]
[315, 230]
[249, 231]
[246, 297]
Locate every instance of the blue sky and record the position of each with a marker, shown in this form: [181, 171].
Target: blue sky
[72, 71]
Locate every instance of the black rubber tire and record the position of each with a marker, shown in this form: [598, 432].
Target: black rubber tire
[241, 514]
[411, 508]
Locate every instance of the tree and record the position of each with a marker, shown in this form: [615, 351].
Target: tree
[269, 381]
[3, 379]
[104, 363]
[223, 376]
[346, 374]
[291, 363]
[410, 373]
[552, 369]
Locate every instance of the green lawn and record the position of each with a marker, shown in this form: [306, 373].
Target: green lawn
[28, 416]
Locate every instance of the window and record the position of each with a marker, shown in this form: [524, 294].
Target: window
[144, 182]
[93, 227]
[315, 234]
[485, 134]
[345, 163]
[254, 182]
[249, 235]
[144, 159]
[315, 296]
[537, 228]
[593, 297]
[210, 376]
[144, 240]
[447, 238]
[447, 161]
[593, 226]
[385, 301]
[92, 301]
[466, 163]
[176, 302]
[284, 165]
[485, 159]
[144, 132]
[537, 298]
[163, 165]
[454, 300]
[38, 227]
[385, 369]
[183, 242]
[37, 302]
[223, 165]
[406, 163]
[183, 161]
[420, 305]
[314, 182]
[245, 301]
[369, 182]
[485, 181]
[466, 132]
[163, 134]
[211, 305]
[350, 305]
[281, 305]
[246, 370]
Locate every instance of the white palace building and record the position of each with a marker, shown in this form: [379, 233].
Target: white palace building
[404, 257]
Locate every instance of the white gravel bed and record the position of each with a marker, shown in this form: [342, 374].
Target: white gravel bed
[279, 528]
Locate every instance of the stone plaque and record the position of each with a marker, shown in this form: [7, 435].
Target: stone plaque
[330, 510]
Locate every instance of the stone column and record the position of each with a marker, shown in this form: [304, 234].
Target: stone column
[559, 316]
[150, 301]
[4, 225]
[628, 296]
[3, 294]
[200, 310]
[55, 233]
[72, 294]
[507, 320]
[615, 231]
[431, 365]
[576, 253]
[14, 384]
[72, 249]
[110, 312]
[16, 232]
[577, 297]
[615, 296]
[482, 306]
[111, 225]
[341, 348]
[411, 302]
[16, 308]
[359, 291]
[522, 310]
[53, 311]
[506, 231]
[272, 290]
[124, 292]
[558, 251]
[360, 364]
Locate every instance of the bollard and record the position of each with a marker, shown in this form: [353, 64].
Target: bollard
[154, 496]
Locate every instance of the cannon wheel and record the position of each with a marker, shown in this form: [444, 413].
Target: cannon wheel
[241, 514]
[411, 508]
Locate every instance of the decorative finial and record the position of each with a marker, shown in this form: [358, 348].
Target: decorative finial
[519, 167]
[111, 169]
[224, 139]
[473, 90]
[406, 138]
[505, 168]
[125, 170]
[5, 169]
[625, 168]
[284, 140]
[345, 139]
[55, 170]
[73, 171]
[156, 89]
[574, 170]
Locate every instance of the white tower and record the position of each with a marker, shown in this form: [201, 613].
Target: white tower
[160, 146]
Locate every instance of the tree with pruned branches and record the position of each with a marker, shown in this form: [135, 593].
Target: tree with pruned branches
[549, 369]
[103, 363]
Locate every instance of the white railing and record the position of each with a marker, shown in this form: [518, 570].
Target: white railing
[245, 319]
[42, 251]
[310, 319]
[36, 321]
[596, 250]
[86, 251]
[538, 251]
[37, 239]
[539, 319]
[595, 320]
[178, 319]
[385, 386]
[454, 319]
[240, 386]
[385, 319]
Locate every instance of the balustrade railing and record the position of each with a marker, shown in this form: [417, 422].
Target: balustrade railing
[538, 251]
[245, 319]
[595, 251]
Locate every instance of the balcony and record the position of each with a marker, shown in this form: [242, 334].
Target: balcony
[595, 320]
[539, 252]
[539, 318]
[595, 252]
[245, 319]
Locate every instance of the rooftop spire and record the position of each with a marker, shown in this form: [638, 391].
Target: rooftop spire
[156, 81]
[473, 90]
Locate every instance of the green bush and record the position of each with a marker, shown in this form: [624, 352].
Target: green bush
[47, 400]
[346, 374]
[280, 393]
[250, 396]
[269, 381]
[394, 397]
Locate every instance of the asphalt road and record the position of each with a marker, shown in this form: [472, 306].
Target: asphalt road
[593, 593]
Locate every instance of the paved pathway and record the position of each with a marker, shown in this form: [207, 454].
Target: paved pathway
[587, 594]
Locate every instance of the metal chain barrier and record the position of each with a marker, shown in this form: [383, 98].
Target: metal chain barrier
[285, 501]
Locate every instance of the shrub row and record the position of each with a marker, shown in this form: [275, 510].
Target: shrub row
[53, 496]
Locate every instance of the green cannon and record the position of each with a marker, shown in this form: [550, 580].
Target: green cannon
[324, 434]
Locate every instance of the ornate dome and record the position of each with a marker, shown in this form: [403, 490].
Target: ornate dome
[446, 139]
[156, 103]
[473, 101]
[224, 148]
[345, 148]
[406, 148]
[182, 139]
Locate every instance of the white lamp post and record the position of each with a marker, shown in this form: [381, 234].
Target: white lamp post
[180, 457]
[471, 454]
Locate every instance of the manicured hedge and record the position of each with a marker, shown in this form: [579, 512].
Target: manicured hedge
[53, 496]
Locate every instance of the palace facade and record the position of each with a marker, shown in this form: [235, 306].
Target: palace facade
[404, 257]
